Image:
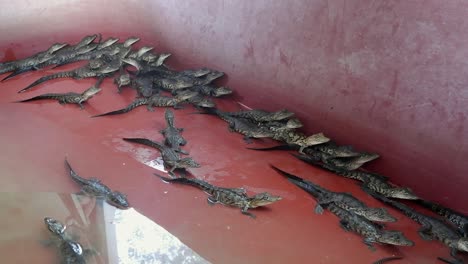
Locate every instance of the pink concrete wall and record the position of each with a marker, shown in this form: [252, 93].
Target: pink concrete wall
[385, 76]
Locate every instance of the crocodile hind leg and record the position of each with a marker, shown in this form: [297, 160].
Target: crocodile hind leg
[322, 201]
[345, 225]
[370, 243]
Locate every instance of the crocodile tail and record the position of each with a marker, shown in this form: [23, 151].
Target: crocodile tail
[138, 102]
[188, 181]
[40, 97]
[16, 72]
[73, 174]
[385, 260]
[301, 183]
[406, 210]
[7, 67]
[146, 142]
[67, 74]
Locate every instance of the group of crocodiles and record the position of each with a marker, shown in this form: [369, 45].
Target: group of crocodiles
[157, 85]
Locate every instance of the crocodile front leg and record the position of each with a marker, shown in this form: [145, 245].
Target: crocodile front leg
[245, 212]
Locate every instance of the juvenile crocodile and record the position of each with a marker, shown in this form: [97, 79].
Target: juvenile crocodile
[240, 125]
[94, 187]
[110, 47]
[372, 182]
[431, 227]
[60, 55]
[198, 100]
[88, 71]
[182, 82]
[210, 90]
[170, 157]
[343, 200]
[351, 163]
[277, 126]
[172, 137]
[71, 97]
[371, 232]
[32, 61]
[330, 150]
[298, 138]
[456, 218]
[235, 197]
[71, 252]
[55, 227]
[155, 100]
[259, 115]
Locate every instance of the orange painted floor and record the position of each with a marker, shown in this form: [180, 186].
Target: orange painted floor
[36, 137]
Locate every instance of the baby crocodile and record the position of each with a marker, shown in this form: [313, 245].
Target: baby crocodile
[171, 158]
[150, 102]
[240, 125]
[88, 71]
[71, 252]
[210, 90]
[326, 150]
[431, 227]
[182, 82]
[96, 188]
[69, 98]
[343, 200]
[458, 219]
[371, 232]
[55, 227]
[373, 183]
[172, 137]
[297, 138]
[259, 115]
[67, 51]
[32, 61]
[236, 197]
[351, 163]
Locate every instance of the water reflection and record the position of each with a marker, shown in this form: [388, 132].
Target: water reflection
[118, 236]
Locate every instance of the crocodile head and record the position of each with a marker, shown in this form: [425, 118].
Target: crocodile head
[262, 199]
[87, 40]
[378, 215]
[130, 41]
[118, 200]
[205, 102]
[316, 139]
[109, 42]
[188, 163]
[213, 76]
[182, 96]
[365, 157]
[294, 123]
[161, 59]
[132, 62]
[149, 57]
[220, 91]
[142, 51]
[394, 238]
[122, 80]
[462, 244]
[402, 193]
[54, 226]
[56, 47]
[90, 92]
[282, 114]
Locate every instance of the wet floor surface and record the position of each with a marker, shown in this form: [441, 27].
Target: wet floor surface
[37, 136]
